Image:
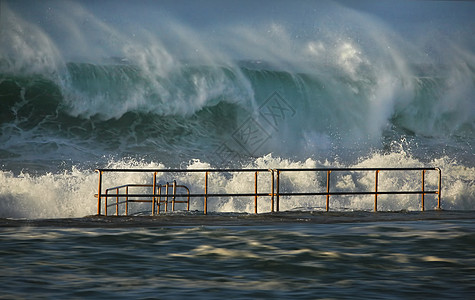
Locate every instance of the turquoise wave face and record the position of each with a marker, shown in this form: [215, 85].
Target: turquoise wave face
[122, 109]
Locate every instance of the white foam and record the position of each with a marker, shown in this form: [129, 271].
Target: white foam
[71, 193]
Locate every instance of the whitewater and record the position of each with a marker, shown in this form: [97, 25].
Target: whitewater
[78, 93]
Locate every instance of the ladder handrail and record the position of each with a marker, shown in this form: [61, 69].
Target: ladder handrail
[127, 195]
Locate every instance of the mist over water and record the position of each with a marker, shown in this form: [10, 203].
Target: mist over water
[86, 85]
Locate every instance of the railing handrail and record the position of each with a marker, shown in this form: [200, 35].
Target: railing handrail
[357, 169]
[154, 195]
[182, 170]
[264, 170]
[138, 185]
[128, 185]
[275, 184]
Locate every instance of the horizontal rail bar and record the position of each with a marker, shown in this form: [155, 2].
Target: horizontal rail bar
[124, 202]
[182, 170]
[264, 170]
[184, 195]
[356, 169]
[269, 194]
[136, 200]
[139, 185]
[359, 193]
[129, 185]
[135, 185]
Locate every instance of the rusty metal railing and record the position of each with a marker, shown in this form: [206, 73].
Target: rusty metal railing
[376, 192]
[155, 201]
[157, 197]
[166, 200]
[117, 197]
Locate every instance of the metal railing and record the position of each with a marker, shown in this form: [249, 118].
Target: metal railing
[156, 201]
[174, 196]
[157, 197]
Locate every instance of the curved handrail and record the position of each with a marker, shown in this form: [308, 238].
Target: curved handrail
[127, 195]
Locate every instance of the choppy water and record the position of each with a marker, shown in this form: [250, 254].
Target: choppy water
[385, 260]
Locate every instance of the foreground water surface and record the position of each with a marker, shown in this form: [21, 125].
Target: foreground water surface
[385, 260]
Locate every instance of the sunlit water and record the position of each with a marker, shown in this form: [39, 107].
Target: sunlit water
[386, 260]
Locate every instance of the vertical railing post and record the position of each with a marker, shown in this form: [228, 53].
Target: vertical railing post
[376, 191]
[272, 190]
[439, 187]
[255, 190]
[328, 191]
[117, 202]
[159, 202]
[105, 203]
[166, 197]
[206, 194]
[422, 195]
[188, 201]
[154, 187]
[99, 192]
[127, 200]
[174, 195]
[277, 199]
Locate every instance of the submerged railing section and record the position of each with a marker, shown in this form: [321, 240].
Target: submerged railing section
[159, 194]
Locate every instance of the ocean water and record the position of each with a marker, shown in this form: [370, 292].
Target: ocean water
[274, 84]
[382, 260]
